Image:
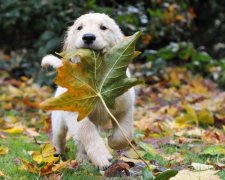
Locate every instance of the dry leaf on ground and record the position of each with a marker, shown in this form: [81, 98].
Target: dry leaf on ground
[201, 167]
[2, 174]
[200, 175]
[116, 169]
[3, 150]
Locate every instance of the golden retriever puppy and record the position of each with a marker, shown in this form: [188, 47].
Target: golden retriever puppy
[98, 32]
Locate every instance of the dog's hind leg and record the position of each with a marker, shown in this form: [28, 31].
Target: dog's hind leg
[125, 118]
[117, 140]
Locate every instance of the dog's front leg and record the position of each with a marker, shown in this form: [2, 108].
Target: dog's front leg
[59, 131]
[94, 145]
[50, 60]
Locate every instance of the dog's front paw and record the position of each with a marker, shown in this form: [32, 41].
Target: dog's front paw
[81, 154]
[82, 157]
[100, 157]
[50, 60]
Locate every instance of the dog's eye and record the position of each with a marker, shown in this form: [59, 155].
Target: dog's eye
[79, 28]
[103, 27]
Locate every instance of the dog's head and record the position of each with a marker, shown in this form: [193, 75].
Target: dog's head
[93, 31]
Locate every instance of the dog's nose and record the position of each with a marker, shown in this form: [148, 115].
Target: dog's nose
[88, 38]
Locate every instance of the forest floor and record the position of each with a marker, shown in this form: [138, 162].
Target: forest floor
[179, 126]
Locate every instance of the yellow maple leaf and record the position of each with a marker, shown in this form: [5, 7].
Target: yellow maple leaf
[47, 169]
[188, 118]
[14, 130]
[2, 174]
[30, 167]
[60, 166]
[46, 155]
[205, 117]
[3, 150]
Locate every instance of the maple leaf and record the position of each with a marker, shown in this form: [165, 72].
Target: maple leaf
[3, 150]
[2, 174]
[27, 166]
[45, 163]
[46, 155]
[96, 77]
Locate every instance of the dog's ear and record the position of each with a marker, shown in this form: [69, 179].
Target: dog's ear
[119, 35]
[65, 45]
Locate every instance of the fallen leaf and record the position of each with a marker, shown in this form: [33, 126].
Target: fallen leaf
[3, 150]
[50, 168]
[200, 175]
[158, 142]
[205, 117]
[73, 165]
[2, 174]
[172, 111]
[166, 174]
[219, 120]
[194, 132]
[47, 125]
[31, 132]
[217, 165]
[14, 130]
[30, 167]
[46, 155]
[47, 169]
[28, 103]
[132, 154]
[177, 157]
[116, 169]
[125, 159]
[58, 176]
[60, 166]
[2, 136]
[201, 167]
[188, 118]
[214, 136]
[147, 147]
[214, 150]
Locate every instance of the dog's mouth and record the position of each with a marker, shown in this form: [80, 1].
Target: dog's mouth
[92, 47]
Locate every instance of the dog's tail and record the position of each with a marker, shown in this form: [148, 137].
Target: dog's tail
[50, 60]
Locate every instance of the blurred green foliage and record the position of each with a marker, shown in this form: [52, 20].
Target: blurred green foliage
[184, 54]
[32, 29]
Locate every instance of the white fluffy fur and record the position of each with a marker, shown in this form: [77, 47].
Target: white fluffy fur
[85, 133]
[51, 60]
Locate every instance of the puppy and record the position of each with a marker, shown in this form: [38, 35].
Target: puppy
[98, 32]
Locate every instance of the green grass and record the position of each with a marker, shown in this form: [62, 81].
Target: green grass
[221, 174]
[190, 156]
[19, 145]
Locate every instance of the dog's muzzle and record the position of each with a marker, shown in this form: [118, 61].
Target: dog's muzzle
[88, 38]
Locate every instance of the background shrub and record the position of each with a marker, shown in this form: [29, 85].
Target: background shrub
[176, 32]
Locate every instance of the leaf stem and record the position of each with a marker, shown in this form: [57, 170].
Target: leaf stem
[122, 130]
